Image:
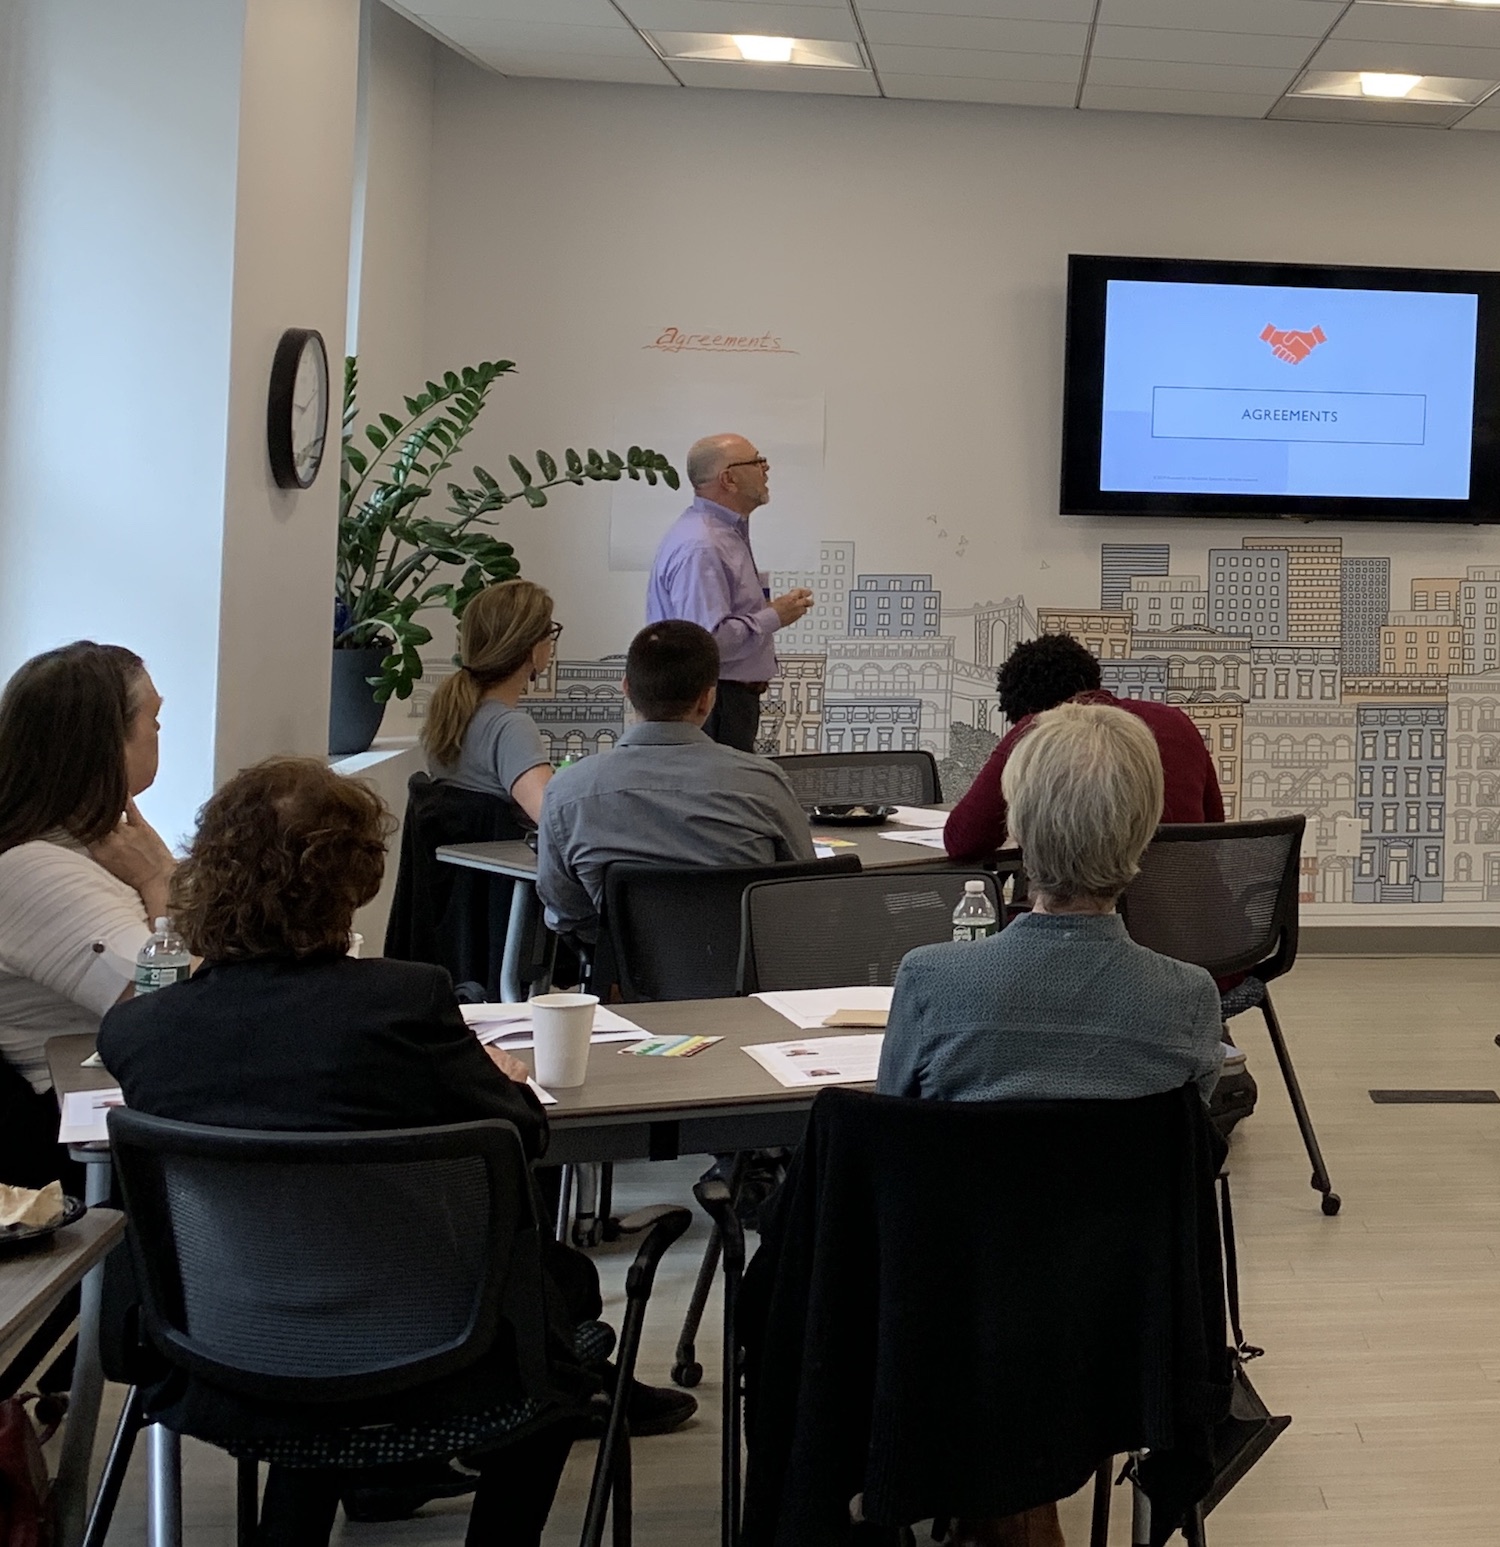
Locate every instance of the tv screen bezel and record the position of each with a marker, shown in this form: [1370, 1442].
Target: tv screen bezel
[1083, 391]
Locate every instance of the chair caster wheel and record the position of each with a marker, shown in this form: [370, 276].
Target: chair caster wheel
[1332, 1203]
[688, 1373]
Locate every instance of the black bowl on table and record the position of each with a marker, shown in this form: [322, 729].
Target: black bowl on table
[863, 813]
[20, 1238]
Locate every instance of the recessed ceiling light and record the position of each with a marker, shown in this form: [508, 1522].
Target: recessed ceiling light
[1377, 83]
[765, 50]
[753, 48]
[1396, 89]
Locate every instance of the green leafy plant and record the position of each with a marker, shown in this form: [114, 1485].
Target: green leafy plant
[395, 560]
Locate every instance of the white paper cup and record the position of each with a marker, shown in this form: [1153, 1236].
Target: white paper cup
[562, 1025]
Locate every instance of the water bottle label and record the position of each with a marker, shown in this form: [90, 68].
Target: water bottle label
[149, 979]
[980, 929]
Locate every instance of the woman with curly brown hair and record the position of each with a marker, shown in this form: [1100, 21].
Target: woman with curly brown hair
[281, 1029]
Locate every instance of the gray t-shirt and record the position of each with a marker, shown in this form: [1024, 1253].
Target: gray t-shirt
[500, 745]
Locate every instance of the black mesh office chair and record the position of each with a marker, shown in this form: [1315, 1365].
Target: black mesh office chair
[1224, 897]
[897, 778]
[345, 1268]
[673, 931]
[839, 931]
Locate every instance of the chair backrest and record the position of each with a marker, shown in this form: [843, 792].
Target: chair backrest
[1082, 1315]
[838, 931]
[447, 914]
[1222, 895]
[326, 1267]
[896, 778]
[673, 931]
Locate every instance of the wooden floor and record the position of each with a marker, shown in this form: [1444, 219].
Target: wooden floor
[1382, 1326]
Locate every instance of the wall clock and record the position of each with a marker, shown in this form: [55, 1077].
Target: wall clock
[297, 408]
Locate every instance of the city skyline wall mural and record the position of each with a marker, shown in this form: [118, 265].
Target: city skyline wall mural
[1321, 682]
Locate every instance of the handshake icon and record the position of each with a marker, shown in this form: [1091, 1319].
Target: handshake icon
[1292, 347]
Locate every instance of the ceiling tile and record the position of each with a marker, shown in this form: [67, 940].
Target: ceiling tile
[1171, 75]
[620, 42]
[579, 13]
[1215, 104]
[1409, 58]
[978, 64]
[1485, 116]
[994, 10]
[834, 23]
[1459, 26]
[776, 77]
[1370, 110]
[1021, 37]
[1190, 46]
[647, 71]
[946, 88]
[1287, 18]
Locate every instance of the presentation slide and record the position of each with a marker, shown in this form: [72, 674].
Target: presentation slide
[1266, 389]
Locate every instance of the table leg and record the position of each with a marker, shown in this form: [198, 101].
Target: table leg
[163, 1487]
[524, 909]
[71, 1490]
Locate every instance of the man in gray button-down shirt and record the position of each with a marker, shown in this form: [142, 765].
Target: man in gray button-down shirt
[666, 795]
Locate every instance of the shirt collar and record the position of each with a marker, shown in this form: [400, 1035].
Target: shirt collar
[722, 512]
[1104, 926]
[663, 733]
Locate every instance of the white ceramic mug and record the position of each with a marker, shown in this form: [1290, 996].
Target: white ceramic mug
[562, 1025]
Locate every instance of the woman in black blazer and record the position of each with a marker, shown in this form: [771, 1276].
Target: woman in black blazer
[281, 1029]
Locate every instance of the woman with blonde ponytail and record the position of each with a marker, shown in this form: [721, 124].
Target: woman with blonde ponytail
[476, 734]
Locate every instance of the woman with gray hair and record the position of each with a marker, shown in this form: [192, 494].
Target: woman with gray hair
[1062, 1004]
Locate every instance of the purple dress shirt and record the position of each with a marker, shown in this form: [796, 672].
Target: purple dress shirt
[705, 572]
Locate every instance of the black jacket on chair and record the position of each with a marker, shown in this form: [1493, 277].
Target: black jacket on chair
[324, 1045]
[962, 1308]
[446, 914]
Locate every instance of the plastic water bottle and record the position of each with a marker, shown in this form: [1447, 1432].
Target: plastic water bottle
[162, 961]
[974, 918]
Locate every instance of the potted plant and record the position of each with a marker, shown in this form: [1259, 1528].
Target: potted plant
[397, 557]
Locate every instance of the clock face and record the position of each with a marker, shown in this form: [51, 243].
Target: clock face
[297, 408]
[309, 410]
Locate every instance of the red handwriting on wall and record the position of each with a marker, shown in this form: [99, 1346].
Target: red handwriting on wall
[674, 341]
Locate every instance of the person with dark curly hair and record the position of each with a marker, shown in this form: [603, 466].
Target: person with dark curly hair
[281, 1029]
[1039, 675]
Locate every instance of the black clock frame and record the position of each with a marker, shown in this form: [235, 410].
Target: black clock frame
[282, 453]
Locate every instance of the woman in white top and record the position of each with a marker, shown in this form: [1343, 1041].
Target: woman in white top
[476, 734]
[81, 871]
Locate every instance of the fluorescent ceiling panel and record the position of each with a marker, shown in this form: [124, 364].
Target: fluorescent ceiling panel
[775, 77]
[1346, 84]
[1367, 110]
[790, 20]
[721, 48]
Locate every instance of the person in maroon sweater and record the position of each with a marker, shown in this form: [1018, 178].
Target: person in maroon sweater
[1042, 673]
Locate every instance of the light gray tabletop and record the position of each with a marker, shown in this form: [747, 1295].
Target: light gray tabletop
[33, 1282]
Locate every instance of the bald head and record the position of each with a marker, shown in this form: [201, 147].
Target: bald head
[727, 469]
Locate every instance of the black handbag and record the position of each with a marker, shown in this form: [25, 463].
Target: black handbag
[1250, 1428]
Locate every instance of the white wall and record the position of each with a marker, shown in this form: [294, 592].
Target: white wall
[181, 194]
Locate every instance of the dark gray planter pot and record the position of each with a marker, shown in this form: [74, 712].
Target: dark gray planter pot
[353, 715]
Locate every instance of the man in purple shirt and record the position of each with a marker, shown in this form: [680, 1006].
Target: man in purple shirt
[705, 572]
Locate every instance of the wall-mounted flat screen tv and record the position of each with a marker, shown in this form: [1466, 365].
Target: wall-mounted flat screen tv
[1199, 388]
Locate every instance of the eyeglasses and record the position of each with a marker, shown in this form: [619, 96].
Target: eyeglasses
[554, 632]
[759, 462]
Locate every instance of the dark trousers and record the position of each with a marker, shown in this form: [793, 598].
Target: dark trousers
[735, 717]
[516, 1487]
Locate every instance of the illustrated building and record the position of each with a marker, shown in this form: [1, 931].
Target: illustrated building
[1473, 788]
[791, 712]
[1314, 582]
[1120, 563]
[1135, 679]
[894, 607]
[1366, 601]
[873, 725]
[1106, 633]
[1421, 644]
[1296, 673]
[894, 672]
[1222, 726]
[828, 618]
[996, 627]
[1479, 605]
[1441, 594]
[1247, 591]
[578, 706]
[1202, 664]
[1160, 602]
[1401, 729]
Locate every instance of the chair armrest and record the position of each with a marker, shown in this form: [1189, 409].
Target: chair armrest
[718, 1204]
[663, 1224]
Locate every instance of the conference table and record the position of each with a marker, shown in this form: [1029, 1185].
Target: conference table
[517, 859]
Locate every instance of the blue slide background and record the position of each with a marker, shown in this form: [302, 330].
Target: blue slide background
[1198, 335]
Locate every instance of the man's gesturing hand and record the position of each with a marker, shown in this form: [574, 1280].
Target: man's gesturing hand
[793, 605]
